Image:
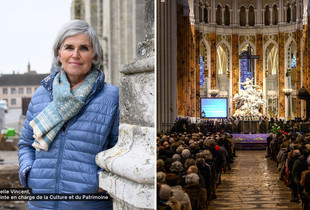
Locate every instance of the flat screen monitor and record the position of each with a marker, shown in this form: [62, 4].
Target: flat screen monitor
[214, 108]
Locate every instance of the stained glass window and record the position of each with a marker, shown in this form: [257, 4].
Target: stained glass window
[244, 71]
[202, 74]
[293, 62]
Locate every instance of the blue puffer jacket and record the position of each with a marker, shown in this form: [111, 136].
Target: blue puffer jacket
[69, 165]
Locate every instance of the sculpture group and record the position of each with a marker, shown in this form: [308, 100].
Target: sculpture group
[249, 100]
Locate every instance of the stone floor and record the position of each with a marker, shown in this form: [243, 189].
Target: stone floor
[252, 183]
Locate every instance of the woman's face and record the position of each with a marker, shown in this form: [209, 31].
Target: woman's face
[76, 57]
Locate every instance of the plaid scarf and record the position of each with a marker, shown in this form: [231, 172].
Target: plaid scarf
[65, 105]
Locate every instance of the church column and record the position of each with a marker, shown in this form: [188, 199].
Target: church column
[291, 13]
[213, 60]
[297, 11]
[258, 17]
[231, 16]
[285, 18]
[263, 14]
[238, 18]
[202, 9]
[223, 11]
[281, 113]
[209, 14]
[198, 37]
[270, 17]
[298, 73]
[247, 17]
[280, 12]
[235, 67]
[259, 62]
[213, 11]
[255, 15]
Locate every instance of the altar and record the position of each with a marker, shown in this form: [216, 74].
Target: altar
[249, 127]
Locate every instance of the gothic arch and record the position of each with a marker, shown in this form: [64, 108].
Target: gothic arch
[228, 47]
[288, 13]
[267, 15]
[251, 15]
[287, 45]
[265, 51]
[227, 15]
[219, 20]
[242, 16]
[275, 14]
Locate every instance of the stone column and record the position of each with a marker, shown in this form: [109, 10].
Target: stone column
[223, 12]
[202, 9]
[281, 109]
[213, 60]
[247, 17]
[263, 12]
[235, 67]
[255, 15]
[298, 70]
[129, 167]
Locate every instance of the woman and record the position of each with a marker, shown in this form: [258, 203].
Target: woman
[72, 117]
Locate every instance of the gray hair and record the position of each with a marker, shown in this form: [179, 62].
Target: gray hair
[75, 27]
[192, 179]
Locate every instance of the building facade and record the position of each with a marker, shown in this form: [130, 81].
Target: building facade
[14, 87]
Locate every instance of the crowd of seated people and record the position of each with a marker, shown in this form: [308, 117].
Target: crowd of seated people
[291, 152]
[189, 168]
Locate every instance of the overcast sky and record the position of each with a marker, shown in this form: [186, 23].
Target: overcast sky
[27, 32]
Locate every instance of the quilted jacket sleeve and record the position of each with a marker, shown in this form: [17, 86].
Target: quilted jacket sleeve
[26, 153]
[113, 136]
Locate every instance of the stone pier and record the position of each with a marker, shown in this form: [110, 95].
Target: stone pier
[129, 167]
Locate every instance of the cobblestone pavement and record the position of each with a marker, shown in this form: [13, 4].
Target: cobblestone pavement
[252, 183]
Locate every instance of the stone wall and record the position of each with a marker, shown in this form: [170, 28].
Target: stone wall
[129, 167]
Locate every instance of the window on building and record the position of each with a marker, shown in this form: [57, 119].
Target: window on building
[200, 12]
[288, 13]
[242, 16]
[275, 15]
[267, 16]
[227, 16]
[206, 14]
[29, 91]
[21, 90]
[13, 90]
[251, 16]
[219, 15]
[13, 101]
[294, 12]
[5, 91]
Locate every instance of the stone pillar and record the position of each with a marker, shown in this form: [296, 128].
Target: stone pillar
[129, 167]
[247, 17]
[223, 12]
[259, 62]
[213, 60]
[202, 10]
[235, 66]
[166, 64]
[263, 12]
[281, 112]
[298, 69]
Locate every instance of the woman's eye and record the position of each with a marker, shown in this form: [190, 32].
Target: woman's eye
[84, 48]
[68, 48]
